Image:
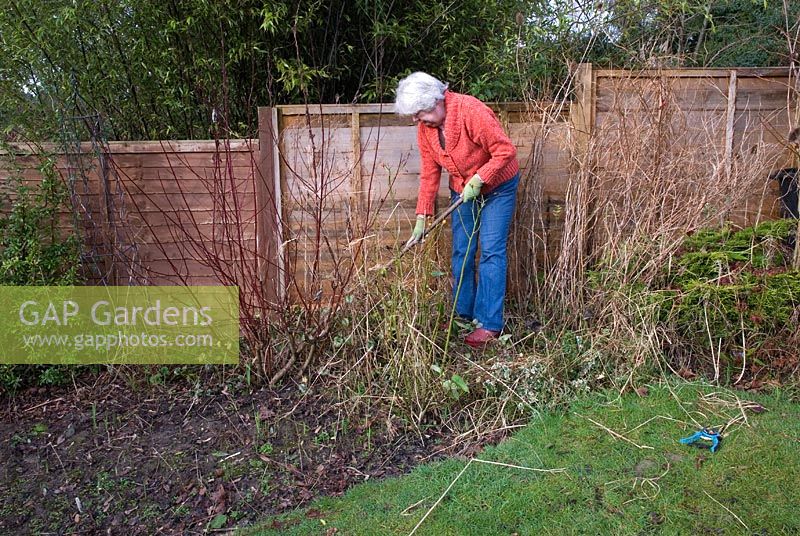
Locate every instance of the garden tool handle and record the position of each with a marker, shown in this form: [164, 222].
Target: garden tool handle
[439, 219]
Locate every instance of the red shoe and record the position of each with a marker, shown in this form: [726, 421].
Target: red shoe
[480, 337]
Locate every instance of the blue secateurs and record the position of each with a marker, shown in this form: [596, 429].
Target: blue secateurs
[706, 434]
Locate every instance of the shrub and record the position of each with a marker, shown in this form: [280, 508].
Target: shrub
[734, 297]
[726, 304]
[32, 249]
[35, 252]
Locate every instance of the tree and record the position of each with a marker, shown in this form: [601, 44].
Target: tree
[706, 33]
[199, 68]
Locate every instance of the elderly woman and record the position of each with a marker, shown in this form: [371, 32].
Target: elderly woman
[462, 135]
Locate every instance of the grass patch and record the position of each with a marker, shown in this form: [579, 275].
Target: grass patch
[645, 483]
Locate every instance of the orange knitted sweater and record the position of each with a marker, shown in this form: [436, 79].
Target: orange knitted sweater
[474, 143]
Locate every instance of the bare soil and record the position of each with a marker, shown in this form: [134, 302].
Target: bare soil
[121, 457]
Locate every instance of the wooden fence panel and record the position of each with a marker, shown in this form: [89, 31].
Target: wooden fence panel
[710, 125]
[336, 161]
[171, 206]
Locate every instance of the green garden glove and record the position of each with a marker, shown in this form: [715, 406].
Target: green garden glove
[472, 189]
[419, 228]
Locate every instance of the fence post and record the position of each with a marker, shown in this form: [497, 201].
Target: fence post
[582, 111]
[356, 179]
[582, 117]
[794, 144]
[730, 118]
[269, 230]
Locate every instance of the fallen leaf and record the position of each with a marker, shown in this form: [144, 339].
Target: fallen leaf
[265, 413]
[755, 385]
[686, 373]
[218, 499]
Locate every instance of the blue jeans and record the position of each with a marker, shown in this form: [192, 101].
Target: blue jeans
[486, 220]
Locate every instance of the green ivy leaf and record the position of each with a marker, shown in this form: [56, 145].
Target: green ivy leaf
[460, 383]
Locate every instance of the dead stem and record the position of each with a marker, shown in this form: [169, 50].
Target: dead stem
[463, 470]
[615, 434]
[742, 523]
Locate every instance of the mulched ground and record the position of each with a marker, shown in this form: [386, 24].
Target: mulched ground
[121, 457]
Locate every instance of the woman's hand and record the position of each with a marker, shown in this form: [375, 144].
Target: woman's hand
[473, 188]
[419, 229]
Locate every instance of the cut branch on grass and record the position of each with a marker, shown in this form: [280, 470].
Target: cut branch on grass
[442, 496]
[614, 434]
[537, 470]
[737, 518]
[463, 470]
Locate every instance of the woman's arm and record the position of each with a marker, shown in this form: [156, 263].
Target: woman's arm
[430, 175]
[484, 129]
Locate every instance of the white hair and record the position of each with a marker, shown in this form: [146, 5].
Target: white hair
[416, 92]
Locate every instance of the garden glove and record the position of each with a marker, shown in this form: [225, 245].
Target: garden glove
[472, 189]
[419, 228]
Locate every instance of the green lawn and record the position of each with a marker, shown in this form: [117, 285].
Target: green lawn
[610, 484]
